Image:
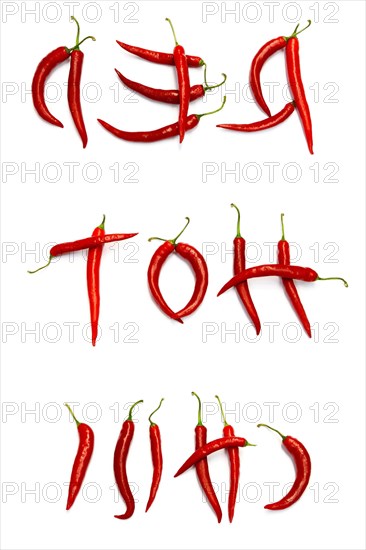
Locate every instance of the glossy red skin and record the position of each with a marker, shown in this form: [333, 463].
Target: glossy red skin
[266, 51]
[269, 122]
[290, 287]
[171, 130]
[46, 65]
[303, 470]
[119, 465]
[200, 269]
[203, 472]
[64, 248]
[160, 57]
[157, 459]
[297, 88]
[81, 462]
[156, 263]
[209, 448]
[243, 289]
[92, 270]
[184, 87]
[73, 93]
[272, 270]
[234, 458]
[157, 94]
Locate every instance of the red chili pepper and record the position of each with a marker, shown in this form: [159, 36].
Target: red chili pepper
[166, 96]
[171, 130]
[184, 86]
[266, 51]
[119, 463]
[277, 270]
[157, 458]
[289, 285]
[297, 87]
[234, 458]
[153, 274]
[203, 472]
[198, 264]
[239, 265]
[160, 57]
[82, 459]
[269, 122]
[44, 68]
[259, 59]
[73, 88]
[92, 275]
[82, 244]
[212, 447]
[303, 469]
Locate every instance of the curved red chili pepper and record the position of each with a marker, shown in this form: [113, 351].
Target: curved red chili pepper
[239, 265]
[119, 463]
[171, 130]
[160, 57]
[82, 244]
[297, 87]
[44, 68]
[266, 51]
[73, 88]
[82, 459]
[200, 269]
[92, 275]
[166, 96]
[303, 470]
[277, 270]
[181, 65]
[198, 264]
[153, 274]
[234, 458]
[157, 457]
[269, 122]
[289, 285]
[212, 447]
[202, 470]
[162, 133]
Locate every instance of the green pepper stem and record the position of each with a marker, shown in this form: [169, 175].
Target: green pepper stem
[199, 423]
[222, 411]
[101, 226]
[78, 32]
[173, 241]
[152, 423]
[207, 87]
[273, 429]
[333, 279]
[39, 269]
[131, 409]
[296, 32]
[72, 414]
[238, 235]
[247, 444]
[171, 26]
[205, 75]
[76, 47]
[156, 239]
[213, 112]
[283, 227]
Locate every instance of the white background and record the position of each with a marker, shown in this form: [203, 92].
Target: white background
[316, 387]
